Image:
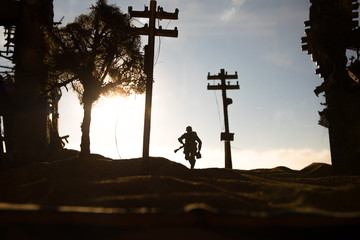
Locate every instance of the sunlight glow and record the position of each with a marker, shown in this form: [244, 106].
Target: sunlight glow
[117, 127]
[117, 132]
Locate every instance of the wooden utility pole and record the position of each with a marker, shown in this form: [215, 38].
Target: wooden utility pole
[225, 136]
[151, 31]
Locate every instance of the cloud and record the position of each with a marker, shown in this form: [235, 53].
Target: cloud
[292, 158]
[278, 59]
[228, 14]
[281, 115]
[247, 159]
[227, 18]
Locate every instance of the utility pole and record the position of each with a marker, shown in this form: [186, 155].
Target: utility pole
[226, 136]
[151, 31]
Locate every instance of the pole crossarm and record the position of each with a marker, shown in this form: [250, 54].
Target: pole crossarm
[159, 14]
[158, 32]
[223, 76]
[226, 87]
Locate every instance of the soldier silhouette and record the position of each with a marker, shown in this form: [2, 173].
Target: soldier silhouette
[192, 145]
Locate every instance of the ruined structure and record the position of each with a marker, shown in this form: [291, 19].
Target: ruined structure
[330, 32]
[29, 112]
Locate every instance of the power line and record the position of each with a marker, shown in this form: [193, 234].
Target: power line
[143, 24]
[236, 148]
[160, 41]
[218, 110]
[116, 141]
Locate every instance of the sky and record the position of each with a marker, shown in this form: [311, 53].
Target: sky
[274, 115]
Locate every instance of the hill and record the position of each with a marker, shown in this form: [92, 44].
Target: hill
[75, 188]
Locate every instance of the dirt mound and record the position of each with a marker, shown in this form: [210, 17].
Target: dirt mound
[169, 187]
[317, 170]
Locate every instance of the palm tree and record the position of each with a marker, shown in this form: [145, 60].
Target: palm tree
[97, 56]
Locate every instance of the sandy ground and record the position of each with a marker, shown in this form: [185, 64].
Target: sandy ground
[104, 187]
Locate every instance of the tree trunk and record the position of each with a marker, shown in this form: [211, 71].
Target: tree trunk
[85, 128]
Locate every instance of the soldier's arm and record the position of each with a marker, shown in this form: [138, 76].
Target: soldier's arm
[199, 141]
[180, 139]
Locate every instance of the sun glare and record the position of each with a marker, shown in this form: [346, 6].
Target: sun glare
[117, 126]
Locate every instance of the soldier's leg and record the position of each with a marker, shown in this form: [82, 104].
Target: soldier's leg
[192, 160]
[192, 163]
[187, 155]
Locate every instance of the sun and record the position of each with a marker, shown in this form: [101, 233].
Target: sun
[118, 106]
[117, 126]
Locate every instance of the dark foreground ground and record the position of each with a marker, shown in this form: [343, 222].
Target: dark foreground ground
[99, 198]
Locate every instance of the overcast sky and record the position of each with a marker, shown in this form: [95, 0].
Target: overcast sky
[274, 115]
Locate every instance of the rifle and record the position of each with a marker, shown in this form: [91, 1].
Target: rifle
[175, 151]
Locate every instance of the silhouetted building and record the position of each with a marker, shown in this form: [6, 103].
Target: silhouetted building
[24, 21]
[330, 31]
